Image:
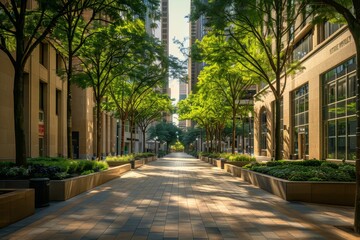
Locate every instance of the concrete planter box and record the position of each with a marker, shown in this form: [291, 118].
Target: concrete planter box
[232, 169]
[219, 163]
[16, 204]
[337, 193]
[116, 163]
[139, 163]
[61, 190]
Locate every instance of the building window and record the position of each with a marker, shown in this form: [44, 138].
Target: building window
[300, 106]
[57, 102]
[327, 29]
[263, 133]
[303, 47]
[42, 89]
[330, 28]
[58, 63]
[339, 111]
[43, 51]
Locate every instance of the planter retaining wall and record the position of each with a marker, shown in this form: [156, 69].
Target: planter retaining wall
[16, 204]
[61, 190]
[233, 170]
[337, 193]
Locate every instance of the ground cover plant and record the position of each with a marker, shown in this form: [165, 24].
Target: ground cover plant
[129, 157]
[237, 157]
[308, 170]
[53, 168]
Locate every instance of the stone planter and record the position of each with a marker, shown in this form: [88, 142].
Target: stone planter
[16, 204]
[61, 190]
[139, 163]
[117, 163]
[232, 169]
[337, 193]
[239, 163]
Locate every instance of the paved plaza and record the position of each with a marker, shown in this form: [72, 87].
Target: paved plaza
[179, 197]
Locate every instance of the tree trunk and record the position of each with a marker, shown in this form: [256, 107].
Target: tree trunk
[143, 139]
[356, 35]
[233, 132]
[69, 111]
[220, 137]
[278, 154]
[122, 145]
[98, 130]
[18, 97]
[243, 137]
[131, 136]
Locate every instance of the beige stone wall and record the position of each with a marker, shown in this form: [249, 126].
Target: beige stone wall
[324, 56]
[7, 146]
[83, 121]
[54, 122]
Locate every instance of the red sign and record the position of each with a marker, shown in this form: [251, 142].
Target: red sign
[41, 130]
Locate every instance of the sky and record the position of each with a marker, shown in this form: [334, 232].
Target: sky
[178, 28]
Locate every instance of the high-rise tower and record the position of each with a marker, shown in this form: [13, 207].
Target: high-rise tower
[197, 32]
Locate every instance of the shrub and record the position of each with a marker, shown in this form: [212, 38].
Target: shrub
[204, 154]
[53, 168]
[87, 172]
[330, 164]
[42, 171]
[13, 172]
[309, 170]
[214, 155]
[7, 164]
[124, 158]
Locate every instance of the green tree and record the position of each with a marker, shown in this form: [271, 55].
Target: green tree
[103, 58]
[151, 109]
[22, 29]
[147, 73]
[208, 111]
[165, 132]
[76, 26]
[350, 11]
[231, 82]
[190, 135]
[258, 33]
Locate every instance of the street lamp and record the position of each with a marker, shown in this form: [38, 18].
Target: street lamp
[196, 146]
[155, 139]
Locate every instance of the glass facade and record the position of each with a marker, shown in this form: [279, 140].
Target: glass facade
[339, 106]
[303, 47]
[300, 106]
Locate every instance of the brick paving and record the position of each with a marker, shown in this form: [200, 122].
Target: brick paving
[179, 197]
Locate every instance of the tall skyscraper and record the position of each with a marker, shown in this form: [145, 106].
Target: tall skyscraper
[197, 32]
[165, 41]
[183, 92]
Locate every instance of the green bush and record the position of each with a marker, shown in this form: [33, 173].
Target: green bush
[214, 155]
[12, 172]
[87, 172]
[7, 164]
[309, 170]
[204, 154]
[124, 158]
[53, 168]
[237, 157]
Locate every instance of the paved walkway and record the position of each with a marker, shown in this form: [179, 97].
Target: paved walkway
[180, 197]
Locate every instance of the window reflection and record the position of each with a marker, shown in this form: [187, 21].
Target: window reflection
[339, 106]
